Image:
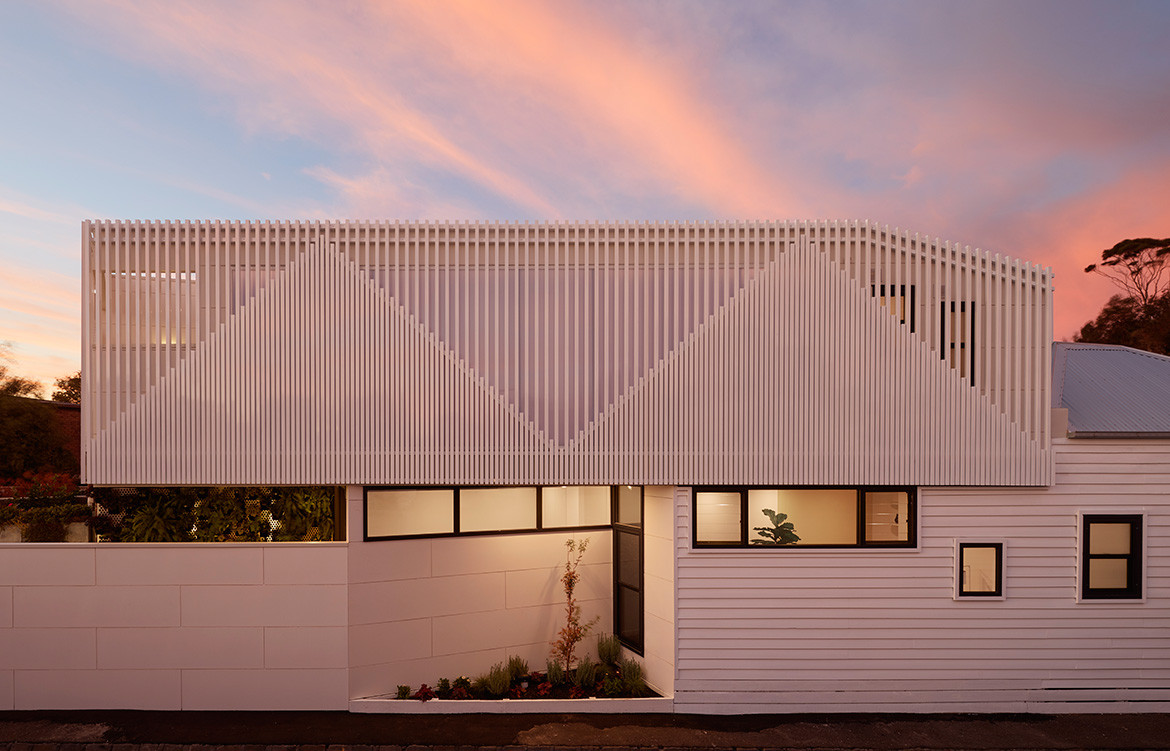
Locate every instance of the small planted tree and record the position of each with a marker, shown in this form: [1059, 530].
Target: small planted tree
[574, 631]
[780, 533]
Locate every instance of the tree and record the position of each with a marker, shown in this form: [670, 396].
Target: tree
[30, 438]
[68, 389]
[1126, 321]
[1138, 266]
[12, 384]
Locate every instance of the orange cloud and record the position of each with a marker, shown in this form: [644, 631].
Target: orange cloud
[632, 105]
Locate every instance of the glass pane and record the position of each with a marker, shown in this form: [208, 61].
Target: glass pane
[497, 509]
[1109, 538]
[391, 513]
[1108, 573]
[574, 506]
[717, 517]
[887, 516]
[629, 505]
[818, 517]
[629, 559]
[629, 615]
[978, 565]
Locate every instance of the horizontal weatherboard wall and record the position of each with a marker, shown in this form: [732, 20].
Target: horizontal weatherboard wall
[409, 353]
[881, 630]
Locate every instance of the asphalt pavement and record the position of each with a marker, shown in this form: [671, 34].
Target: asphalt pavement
[341, 731]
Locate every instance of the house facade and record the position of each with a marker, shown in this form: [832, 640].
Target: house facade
[823, 466]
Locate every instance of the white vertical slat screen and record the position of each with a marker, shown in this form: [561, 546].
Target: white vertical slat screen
[599, 352]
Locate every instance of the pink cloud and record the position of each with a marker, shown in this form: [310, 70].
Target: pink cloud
[303, 75]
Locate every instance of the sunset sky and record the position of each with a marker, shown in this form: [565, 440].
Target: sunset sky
[1038, 130]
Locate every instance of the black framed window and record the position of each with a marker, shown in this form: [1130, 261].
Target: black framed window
[957, 337]
[394, 513]
[898, 300]
[628, 571]
[980, 569]
[803, 517]
[1111, 556]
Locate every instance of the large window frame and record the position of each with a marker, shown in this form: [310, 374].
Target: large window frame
[744, 542]
[457, 532]
[1134, 590]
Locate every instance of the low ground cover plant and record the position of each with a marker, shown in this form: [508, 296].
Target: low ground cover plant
[607, 675]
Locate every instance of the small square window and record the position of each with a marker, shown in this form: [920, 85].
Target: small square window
[980, 569]
[1111, 557]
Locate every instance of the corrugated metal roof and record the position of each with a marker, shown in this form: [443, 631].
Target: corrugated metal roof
[1110, 390]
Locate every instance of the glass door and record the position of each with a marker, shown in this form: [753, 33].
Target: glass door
[628, 617]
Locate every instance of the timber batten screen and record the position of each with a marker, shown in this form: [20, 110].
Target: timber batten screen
[728, 353]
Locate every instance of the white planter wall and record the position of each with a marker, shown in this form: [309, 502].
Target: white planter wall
[166, 627]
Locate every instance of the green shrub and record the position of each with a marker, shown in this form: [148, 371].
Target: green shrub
[611, 685]
[556, 672]
[479, 686]
[586, 674]
[47, 523]
[403, 692]
[443, 688]
[517, 667]
[633, 679]
[609, 648]
[498, 680]
[303, 514]
[462, 682]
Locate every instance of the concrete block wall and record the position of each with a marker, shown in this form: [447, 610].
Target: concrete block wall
[659, 588]
[424, 609]
[233, 626]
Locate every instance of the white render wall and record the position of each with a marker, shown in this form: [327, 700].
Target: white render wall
[658, 582]
[880, 630]
[425, 609]
[167, 627]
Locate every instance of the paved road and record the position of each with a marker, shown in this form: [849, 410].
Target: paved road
[340, 731]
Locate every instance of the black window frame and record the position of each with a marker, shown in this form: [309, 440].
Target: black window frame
[621, 528]
[538, 529]
[744, 542]
[999, 564]
[1134, 570]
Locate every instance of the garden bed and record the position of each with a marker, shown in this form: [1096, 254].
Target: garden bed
[593, 705]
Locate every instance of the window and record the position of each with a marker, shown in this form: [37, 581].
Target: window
[980, 569]
[1111, 556]
[896, 300]
[434, 512]
[628, 551]
[957, 345]
[803, 517]
[404, 513]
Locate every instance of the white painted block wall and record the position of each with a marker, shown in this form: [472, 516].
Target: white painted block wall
[658, 579]
[424, 609]
[166, 627]
[880, 630]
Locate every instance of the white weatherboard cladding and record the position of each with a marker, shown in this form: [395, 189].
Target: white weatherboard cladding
[488, 353]
[880, 630]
